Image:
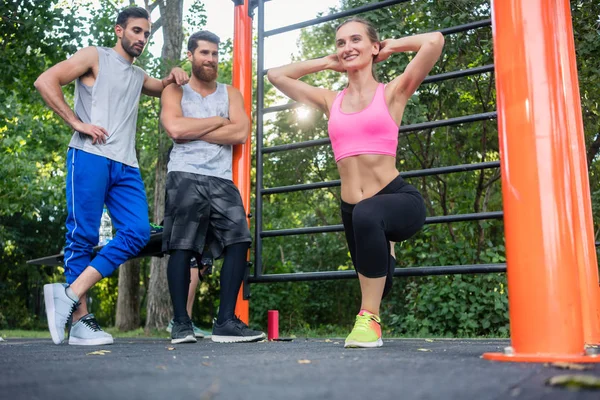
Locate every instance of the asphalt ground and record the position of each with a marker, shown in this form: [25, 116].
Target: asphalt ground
[300, 369]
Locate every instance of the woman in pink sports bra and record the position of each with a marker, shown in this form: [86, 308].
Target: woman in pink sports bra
[378, 207]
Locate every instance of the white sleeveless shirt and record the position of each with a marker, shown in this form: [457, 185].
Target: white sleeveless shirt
[111, 103]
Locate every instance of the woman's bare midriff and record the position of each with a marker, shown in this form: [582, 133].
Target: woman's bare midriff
[364, 175]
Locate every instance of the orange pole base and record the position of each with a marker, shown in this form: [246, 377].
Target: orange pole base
[542, 358]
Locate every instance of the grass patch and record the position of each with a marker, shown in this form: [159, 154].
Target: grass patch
[138, 333]
[20, 334]
[155, 333]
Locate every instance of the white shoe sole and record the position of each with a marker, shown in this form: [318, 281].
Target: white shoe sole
[352, 344]
[237, 339]
[187, 339]
[90, 342]
[50, 313]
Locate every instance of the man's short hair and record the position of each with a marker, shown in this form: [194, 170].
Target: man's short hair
[202, 35]
[131, 12]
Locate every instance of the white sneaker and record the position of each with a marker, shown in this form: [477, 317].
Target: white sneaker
[87, 332]
[60, 303]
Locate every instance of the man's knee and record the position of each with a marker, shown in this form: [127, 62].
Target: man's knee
[137, 237]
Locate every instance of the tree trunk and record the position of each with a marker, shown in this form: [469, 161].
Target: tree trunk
[159, 310]
[128, 300]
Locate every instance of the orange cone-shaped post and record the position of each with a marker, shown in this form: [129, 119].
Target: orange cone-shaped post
[534, 118]
[242, 79]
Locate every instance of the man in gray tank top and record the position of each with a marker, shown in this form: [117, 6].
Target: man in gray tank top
[102, 168]
[203, 207]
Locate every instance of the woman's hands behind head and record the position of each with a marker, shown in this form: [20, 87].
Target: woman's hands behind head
[385, 51]
[333, 63]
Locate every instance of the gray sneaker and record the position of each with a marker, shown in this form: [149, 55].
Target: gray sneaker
[199, 333]
[60, 303]
[182, 332]
[235, 331]
[87, 332]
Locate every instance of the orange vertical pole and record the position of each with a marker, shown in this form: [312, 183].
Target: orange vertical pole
[542, 266]
[242, 79]
[584, 228]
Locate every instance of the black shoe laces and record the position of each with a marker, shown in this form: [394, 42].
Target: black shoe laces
[239, 322]
[92, 324]
[70, 318]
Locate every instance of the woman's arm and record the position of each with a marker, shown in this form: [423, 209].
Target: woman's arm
[286, 79]
[428, 47]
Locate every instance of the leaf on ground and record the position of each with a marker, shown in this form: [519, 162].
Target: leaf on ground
[579, 381]
[429, 340]
[423, 350]
[205, 356]
[328, 340]
[161, 367]
[170, 348]
[304, 361]
[98, 353]
[568, 365]
[206, 364]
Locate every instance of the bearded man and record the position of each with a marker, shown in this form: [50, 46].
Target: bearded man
[203, 207]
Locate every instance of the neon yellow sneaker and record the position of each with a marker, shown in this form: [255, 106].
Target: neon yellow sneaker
[366, 331]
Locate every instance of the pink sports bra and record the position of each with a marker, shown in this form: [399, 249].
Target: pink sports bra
[370, 131]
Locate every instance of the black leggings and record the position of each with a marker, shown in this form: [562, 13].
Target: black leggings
[394, 214]
[232, 275]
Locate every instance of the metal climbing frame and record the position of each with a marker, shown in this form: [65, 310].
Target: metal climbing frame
[261, 111]
[554, 298]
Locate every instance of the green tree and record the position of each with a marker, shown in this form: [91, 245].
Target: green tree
[33, 36]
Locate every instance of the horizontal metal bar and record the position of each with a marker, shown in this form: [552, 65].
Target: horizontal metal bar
[408, 174]
[295, 146]
[446, 76]
[302, 231]
[403, 129]
[464, 217]
[331, 17]
[282, 107]
[152, 249]
[450, 169]
[340, 228]
[303, 186]
[466, 27]
[413, 271]
[448, 122]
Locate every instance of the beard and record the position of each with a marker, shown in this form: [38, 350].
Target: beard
[129, 48]
[205, 74]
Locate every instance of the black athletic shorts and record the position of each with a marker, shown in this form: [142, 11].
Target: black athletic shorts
[201, 209]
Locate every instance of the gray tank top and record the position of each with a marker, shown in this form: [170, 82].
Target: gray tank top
[111, 103]
[198, 156]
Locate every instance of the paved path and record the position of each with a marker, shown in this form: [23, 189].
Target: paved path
[301, 369]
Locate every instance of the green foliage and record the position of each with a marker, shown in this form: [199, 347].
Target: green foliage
[33, 36]
[195, 17]
[455, 306]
